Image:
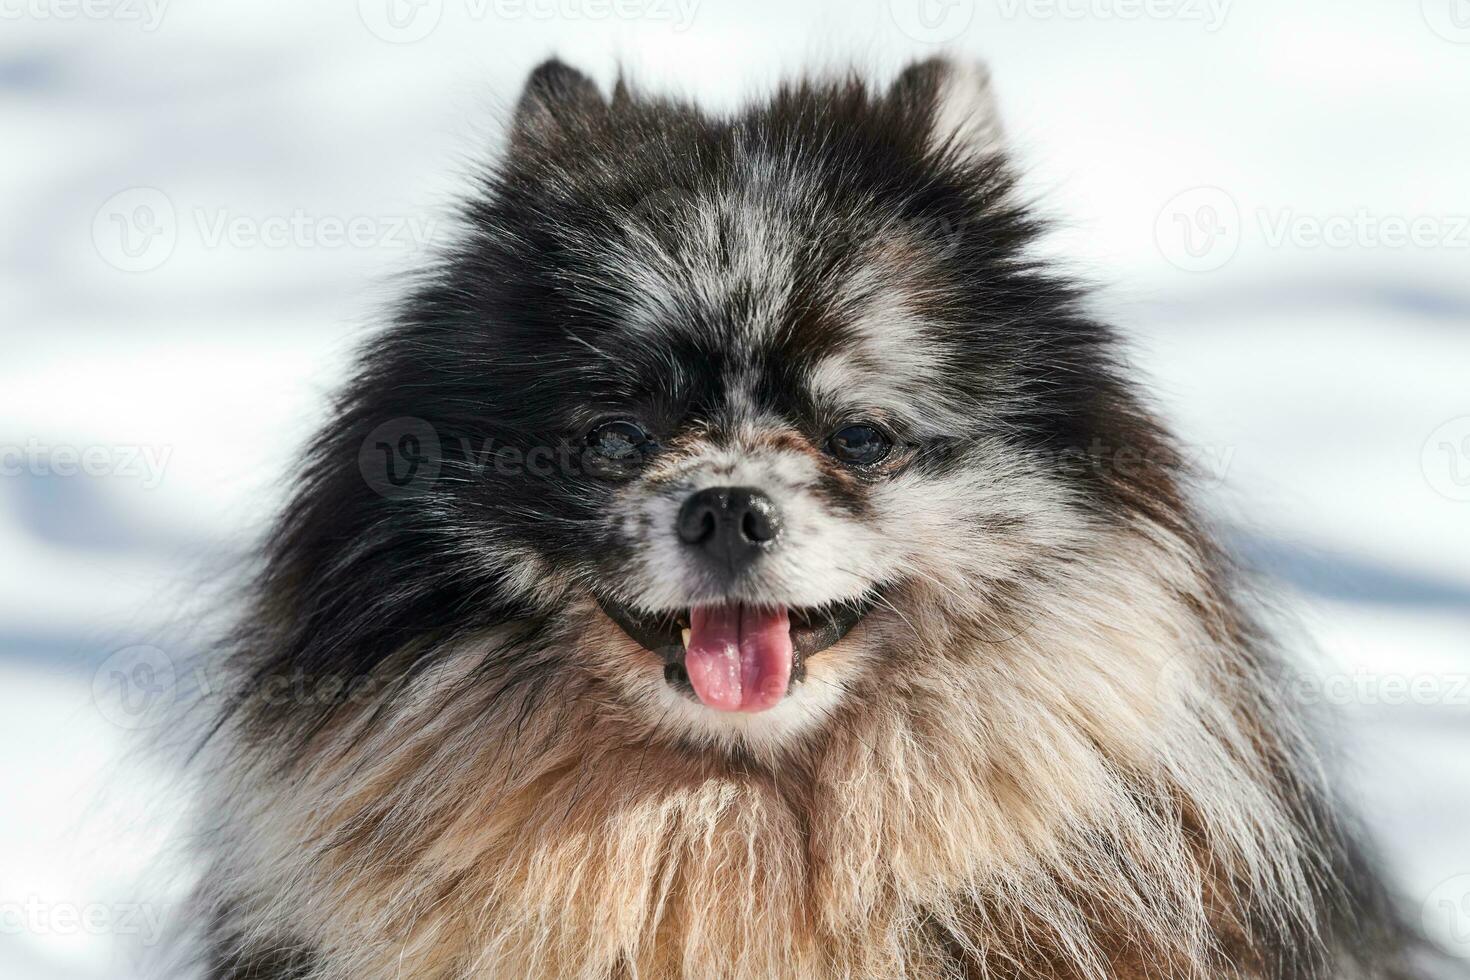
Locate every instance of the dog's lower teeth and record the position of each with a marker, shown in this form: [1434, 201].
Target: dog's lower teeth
[685, 634]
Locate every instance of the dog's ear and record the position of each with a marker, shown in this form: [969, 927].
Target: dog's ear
[958, 100]
[557, 100]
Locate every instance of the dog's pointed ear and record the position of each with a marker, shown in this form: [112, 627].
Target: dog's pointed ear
[557, 99]
[958, 100]
[622, 96]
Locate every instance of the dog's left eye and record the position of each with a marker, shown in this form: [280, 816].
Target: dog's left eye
[859, 445]
[619, 439]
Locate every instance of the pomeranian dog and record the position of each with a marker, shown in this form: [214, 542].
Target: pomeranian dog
[742, 557]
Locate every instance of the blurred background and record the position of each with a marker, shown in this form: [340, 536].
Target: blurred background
[206, 204]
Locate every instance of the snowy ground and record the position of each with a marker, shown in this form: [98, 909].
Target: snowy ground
[1274, 193]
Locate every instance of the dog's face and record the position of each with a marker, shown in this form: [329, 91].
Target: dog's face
[765, 393]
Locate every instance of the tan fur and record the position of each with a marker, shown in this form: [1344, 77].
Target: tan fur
[1068, 790]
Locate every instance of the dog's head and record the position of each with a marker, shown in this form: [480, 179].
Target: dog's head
[741, 521]
[743, 409]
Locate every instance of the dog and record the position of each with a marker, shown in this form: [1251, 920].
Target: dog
[742, 556]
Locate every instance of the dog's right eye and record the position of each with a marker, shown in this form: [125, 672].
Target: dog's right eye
[859, 445]
[618, 439]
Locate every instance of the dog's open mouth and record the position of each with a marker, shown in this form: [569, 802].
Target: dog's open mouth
[736, 656]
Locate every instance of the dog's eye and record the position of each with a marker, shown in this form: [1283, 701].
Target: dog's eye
[619, 439]
[859, 445]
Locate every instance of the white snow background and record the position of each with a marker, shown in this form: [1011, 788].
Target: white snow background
[1273, 195]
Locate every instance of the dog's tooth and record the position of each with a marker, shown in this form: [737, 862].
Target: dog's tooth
[685, 633]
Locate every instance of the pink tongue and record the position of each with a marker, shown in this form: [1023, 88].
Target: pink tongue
[739, 657]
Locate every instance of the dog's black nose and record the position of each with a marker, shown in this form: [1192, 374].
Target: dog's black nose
[729, 524]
